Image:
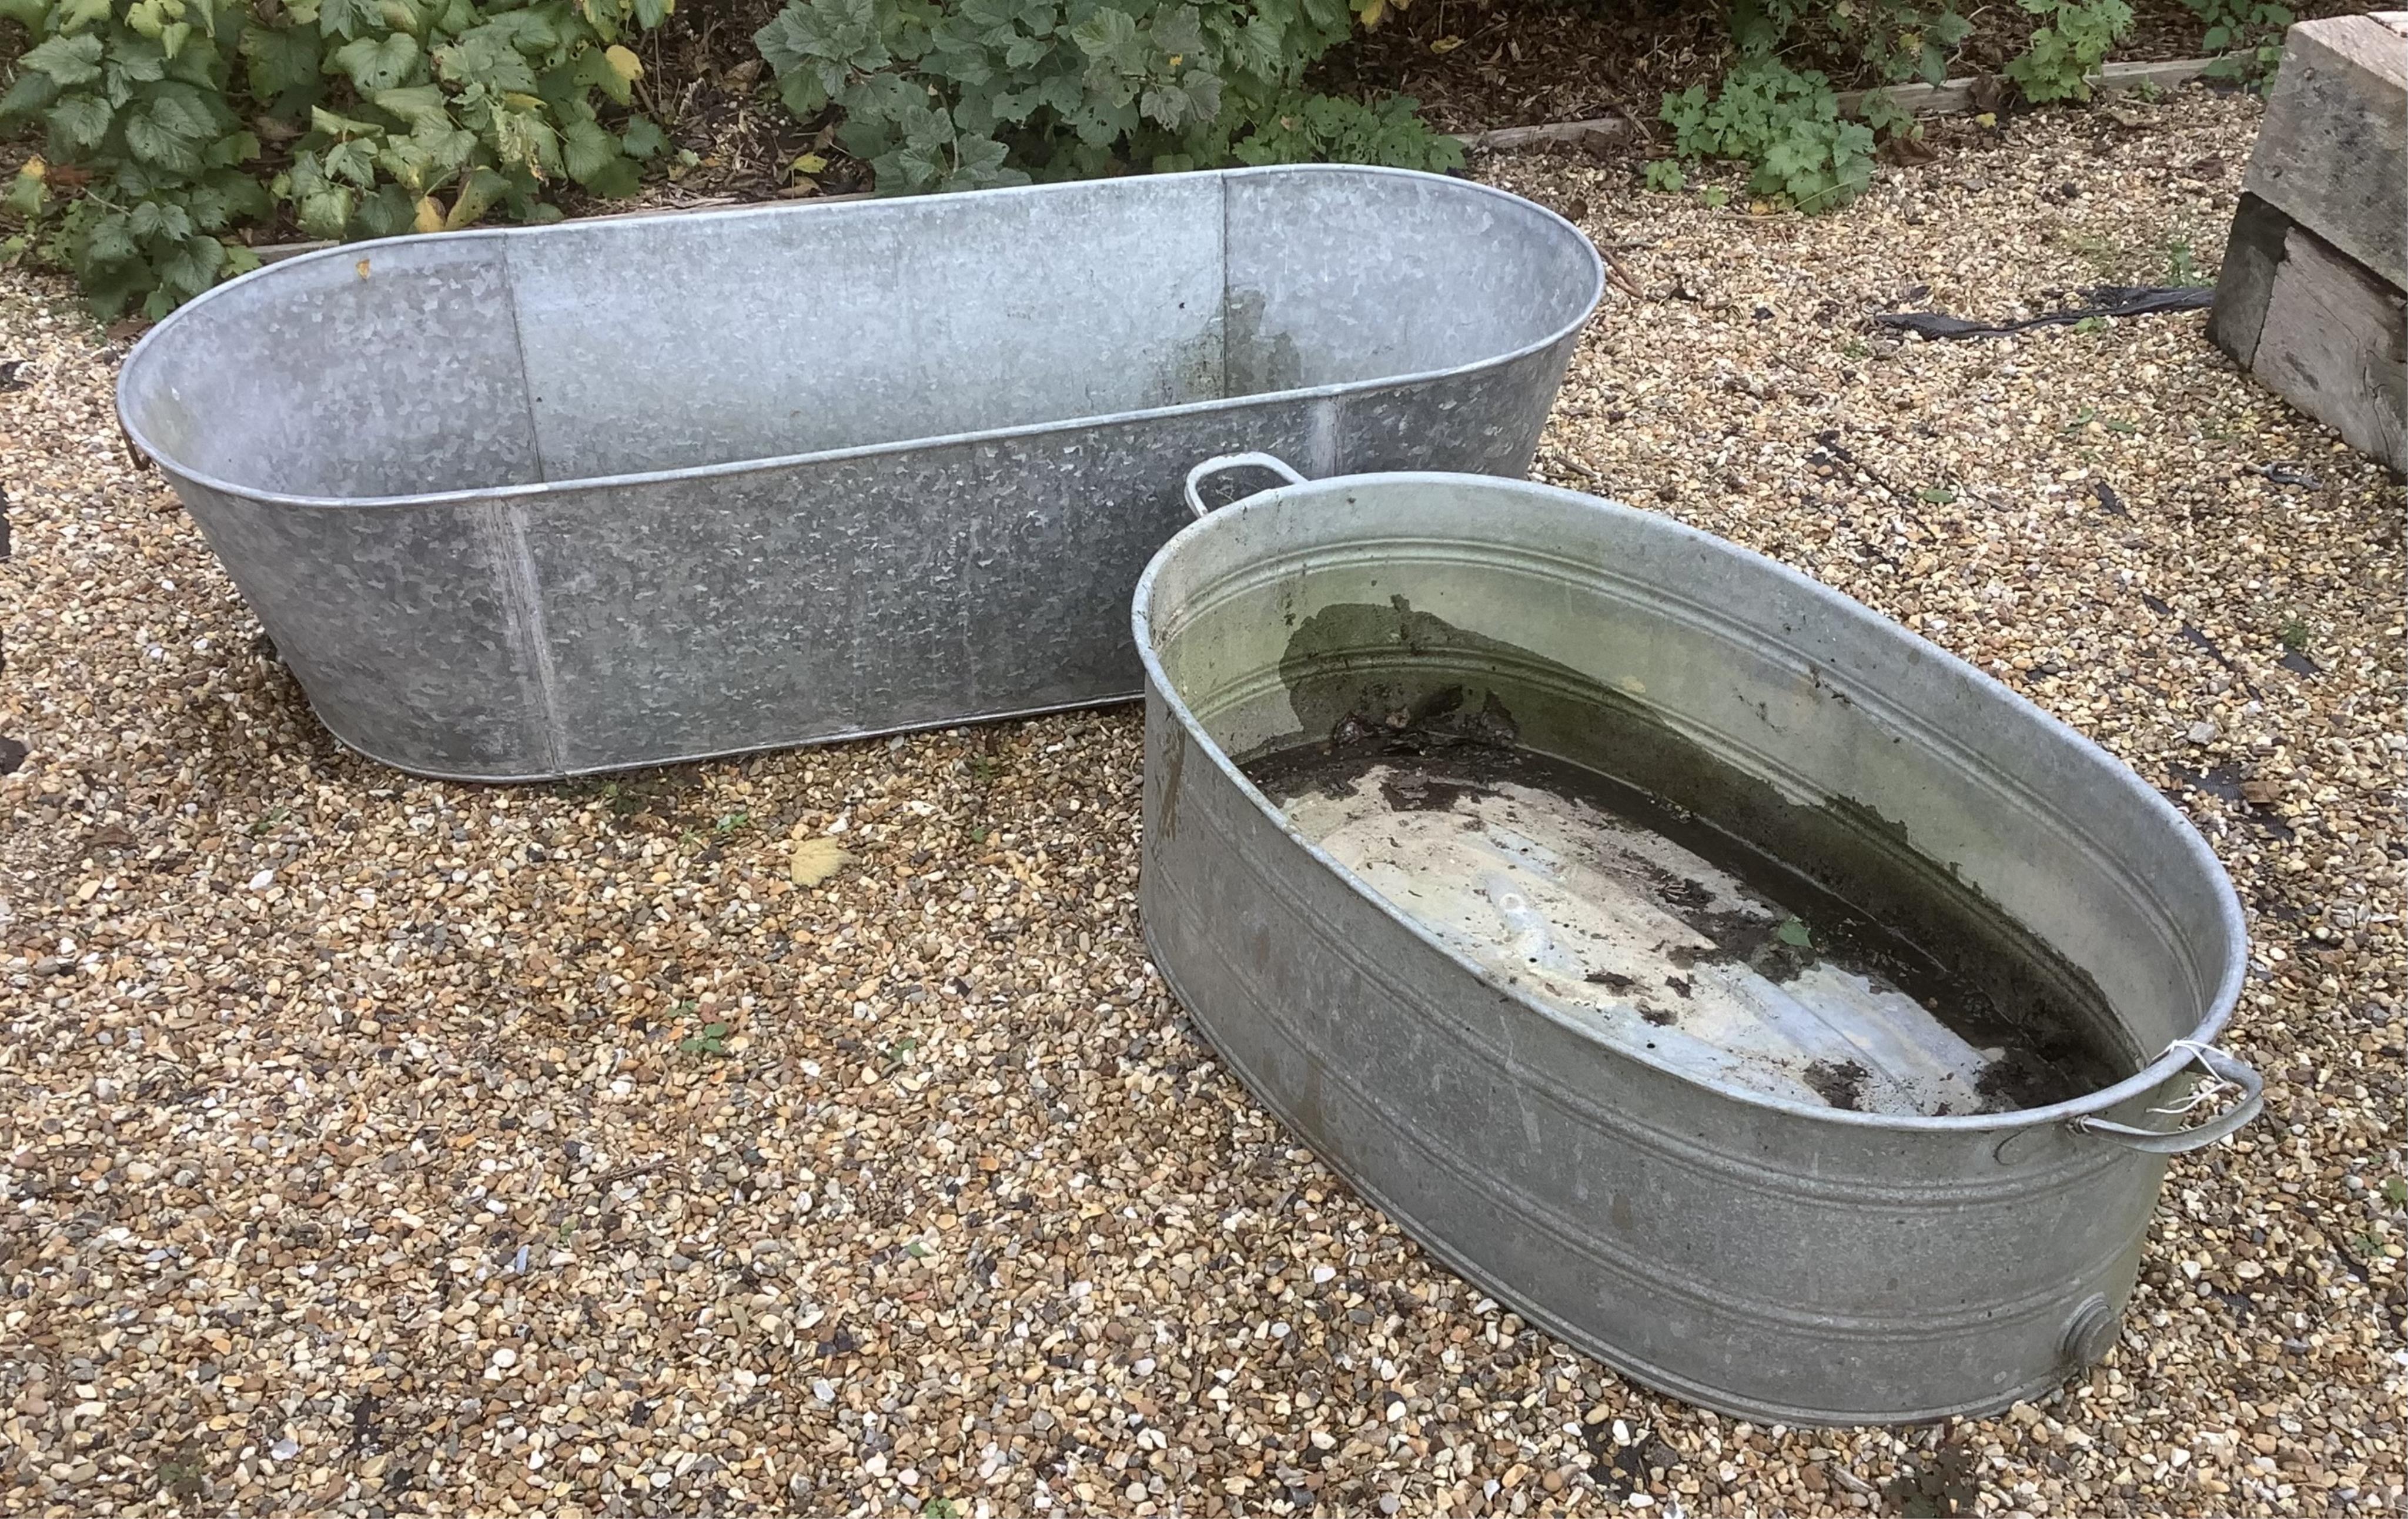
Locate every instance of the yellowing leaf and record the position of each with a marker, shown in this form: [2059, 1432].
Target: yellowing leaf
[816, 859]
[809, 164]
[523, 102]
[1372, 13]
[624, 62]
[430, 215]
[35, 168]
[1446, 44]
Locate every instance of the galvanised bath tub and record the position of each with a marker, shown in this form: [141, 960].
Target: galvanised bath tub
[1774, 1185]
[529, 503]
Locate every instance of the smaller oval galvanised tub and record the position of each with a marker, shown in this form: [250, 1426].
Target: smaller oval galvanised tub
[522, 503]
[1760, 997]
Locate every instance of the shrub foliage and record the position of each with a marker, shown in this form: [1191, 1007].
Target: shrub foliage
[167, 123]
[167, 126]
[996, 91]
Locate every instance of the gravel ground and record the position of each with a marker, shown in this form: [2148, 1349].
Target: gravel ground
[382, 1147]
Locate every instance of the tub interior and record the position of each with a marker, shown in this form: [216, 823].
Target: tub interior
[630, 346]
[1716, 815]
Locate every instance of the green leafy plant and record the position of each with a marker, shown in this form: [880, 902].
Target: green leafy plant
[1895, 40]
[710, 1039]
[1331, 129]
[943, 97]
[2182, 264]
[1785, 121]
[142, 166]
[171, 124]
[2246, 37]
[2068, 47]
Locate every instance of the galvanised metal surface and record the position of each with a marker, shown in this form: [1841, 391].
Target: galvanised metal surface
[527, 503]
[1767, 1257]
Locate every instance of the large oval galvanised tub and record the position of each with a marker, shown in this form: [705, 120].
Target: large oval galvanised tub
[528, 503]
[1492, 1008]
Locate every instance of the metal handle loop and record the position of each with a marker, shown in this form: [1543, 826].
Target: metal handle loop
[1233, 461]
[2224, 1068]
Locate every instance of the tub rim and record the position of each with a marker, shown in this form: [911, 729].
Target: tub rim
[2169, 1064]
[535, 490]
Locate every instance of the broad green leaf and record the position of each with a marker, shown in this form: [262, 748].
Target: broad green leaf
[348, 17]
[327, 122]
[111, 239]
[419, 162]
[1167, 104]
[1110, 37]
[326, 212]
[482, 189]
[586, 150]
[617, 179]
[280, 60]
[378, 63]
[481, 57]
[31, 93]
[803, 94]
[80, 121]
[354, 161]
[207, 206]
[75, 15]
[163, 133]
[158, 218]
[242, 195]
[419, 107]
[385, 212]
[643, 137]
[1179, 33]
[136, 61]
[67, 60]
[1203, 96]
[528, 31]
[525, 140]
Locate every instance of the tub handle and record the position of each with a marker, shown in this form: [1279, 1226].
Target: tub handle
[2229, 1069]
[1235, 461]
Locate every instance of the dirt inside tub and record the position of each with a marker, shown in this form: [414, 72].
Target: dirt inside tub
[1615, 870]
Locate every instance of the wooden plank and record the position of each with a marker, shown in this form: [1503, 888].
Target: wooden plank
[1957, 97]
[1599, 131]
[1954, 97]
[2246, 283]
[2335, 343]
[2332, 153]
